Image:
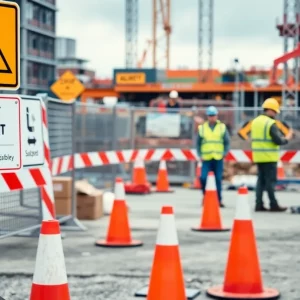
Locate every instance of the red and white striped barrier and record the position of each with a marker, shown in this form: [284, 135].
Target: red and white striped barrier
[95, 159]
[29, 178]
[62, 164]
[48, 206]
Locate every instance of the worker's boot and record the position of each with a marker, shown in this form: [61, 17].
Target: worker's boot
[278, 208]
[259, 208]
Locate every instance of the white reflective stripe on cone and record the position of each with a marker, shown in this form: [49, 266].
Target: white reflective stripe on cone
[119, 191]
[242, 211]
[50, 266]
[167, 234]
[139, 163]
[163, 165]
[211, 183]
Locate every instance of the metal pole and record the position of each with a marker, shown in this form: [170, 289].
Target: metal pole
[114, 143]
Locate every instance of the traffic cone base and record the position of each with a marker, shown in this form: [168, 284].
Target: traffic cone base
[118, 232]
[218, 293]
[210, 229]
[190, 293]
[132, 243]
[168, 191]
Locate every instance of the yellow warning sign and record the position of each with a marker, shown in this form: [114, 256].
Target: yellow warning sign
[67, 87]
[9, 45]
[246, 128]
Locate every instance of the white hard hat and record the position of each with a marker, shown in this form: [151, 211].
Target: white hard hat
[173, 94]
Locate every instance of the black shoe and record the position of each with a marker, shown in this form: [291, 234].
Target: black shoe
[278, 208]
[259, 208]
[222, 205]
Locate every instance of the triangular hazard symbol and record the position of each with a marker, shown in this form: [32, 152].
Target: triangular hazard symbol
[4, 67]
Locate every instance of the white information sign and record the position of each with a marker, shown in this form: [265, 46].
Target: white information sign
[32, 132]
[163, 124]
[10, 133]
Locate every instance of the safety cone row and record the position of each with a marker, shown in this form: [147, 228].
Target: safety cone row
[211, 215]
[242, 279]
[118, 233]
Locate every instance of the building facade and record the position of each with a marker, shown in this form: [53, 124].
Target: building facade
[38, 33]
[67, 60]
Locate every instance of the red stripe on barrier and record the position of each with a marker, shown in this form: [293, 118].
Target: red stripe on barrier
[71, 163]
[149, 154]
[230, 157]
[60, 163]
[86, 160]
[188, 154]
[12, 181]
[286, 157]
[120, 156]
[37, 177]
[104, 158]
[248, 153]
[47, 154]
[48, 202]
[44, 116]
[167, 155]
[134, 155]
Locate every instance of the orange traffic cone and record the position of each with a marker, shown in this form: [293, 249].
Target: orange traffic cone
[243, 275]
[50, 278]
[139, 175]
[162, 183]
[280, 175]
[166, 279]
[197, 183]
[211, 216]
[118, 234]
[280, 170]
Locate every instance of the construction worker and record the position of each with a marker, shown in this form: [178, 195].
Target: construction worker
[266, 141]
[173, 103]
[213, 144]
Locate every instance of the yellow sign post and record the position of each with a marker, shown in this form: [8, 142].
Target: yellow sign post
[9, 45]
[67, 87]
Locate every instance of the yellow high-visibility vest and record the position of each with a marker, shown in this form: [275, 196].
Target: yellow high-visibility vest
[263, 148]
[212, 146]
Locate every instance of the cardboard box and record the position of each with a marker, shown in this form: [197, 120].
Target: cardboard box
[63, 206]
[62, 187]
[90, 207]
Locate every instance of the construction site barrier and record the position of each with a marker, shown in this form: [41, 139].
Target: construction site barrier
[99, 143]
[26, 196]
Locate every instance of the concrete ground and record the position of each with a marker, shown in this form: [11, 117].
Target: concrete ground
[111, 274]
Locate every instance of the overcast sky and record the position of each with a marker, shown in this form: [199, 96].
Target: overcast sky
[242, 28]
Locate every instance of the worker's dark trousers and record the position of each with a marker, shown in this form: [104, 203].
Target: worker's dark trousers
[215, 166]
[267, 178]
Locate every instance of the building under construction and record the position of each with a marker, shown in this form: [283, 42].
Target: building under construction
[139, 86]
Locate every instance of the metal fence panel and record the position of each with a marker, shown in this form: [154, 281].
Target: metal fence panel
[20, 211]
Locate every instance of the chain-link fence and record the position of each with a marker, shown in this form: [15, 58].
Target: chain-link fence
[101, 128]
